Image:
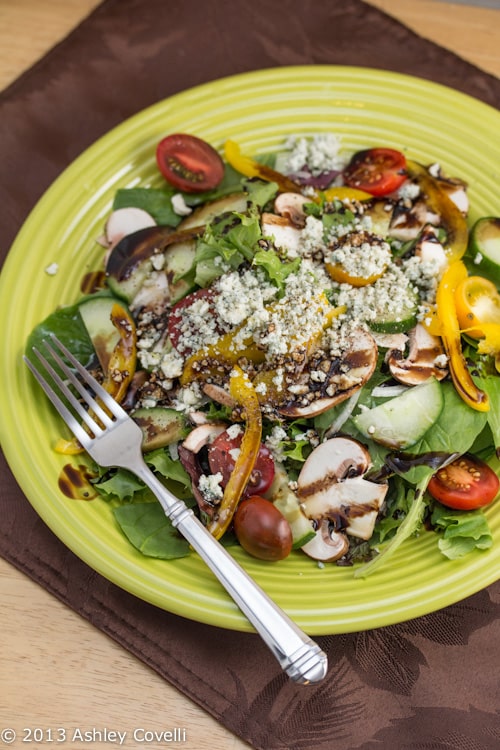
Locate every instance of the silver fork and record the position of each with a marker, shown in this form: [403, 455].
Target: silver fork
[112, 438]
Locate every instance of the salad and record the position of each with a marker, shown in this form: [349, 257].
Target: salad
[310, 342]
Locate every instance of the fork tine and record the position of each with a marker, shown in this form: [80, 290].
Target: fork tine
[97, 411]
[99, 391]
[61, 407]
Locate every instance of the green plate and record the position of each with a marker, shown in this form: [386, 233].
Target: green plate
[366, 108]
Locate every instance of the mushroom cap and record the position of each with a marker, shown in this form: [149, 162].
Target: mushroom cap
[420, 363]
[353, 371]
[331, 486]
[327, 545]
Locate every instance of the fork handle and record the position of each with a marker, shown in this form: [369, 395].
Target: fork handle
[299, 656]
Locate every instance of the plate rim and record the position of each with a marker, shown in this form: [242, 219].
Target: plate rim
[233, 620]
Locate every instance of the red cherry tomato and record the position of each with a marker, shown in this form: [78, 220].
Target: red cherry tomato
[188, 163]
[465, 484]
[377, 171]
[175, 319]
[222, 455]
[262, 530]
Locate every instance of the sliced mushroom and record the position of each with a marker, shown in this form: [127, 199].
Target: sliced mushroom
[327, 545]
[407, 223]
[219, 394]
[202, 435]
[283, 232]
[125, 221]
[342, 378]
[331, 486]
[189, 451]
[430, 250]
[426, 358]
[291, 205]
[392, 341]
[455, 188]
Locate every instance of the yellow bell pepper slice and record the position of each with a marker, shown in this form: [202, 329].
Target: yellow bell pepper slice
[452, 219]
[120, 370]
[243, 392]
[453, 276]
[343, 192]
[490, 343]
[478, 303]
[227, 350]
[251, 168]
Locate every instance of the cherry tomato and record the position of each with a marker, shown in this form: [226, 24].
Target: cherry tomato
[188, 163]
[377, 171]
[175, 318]
[262, 530]
[222, 455]
[465, 484]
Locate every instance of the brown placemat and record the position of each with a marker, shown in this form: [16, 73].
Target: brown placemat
[428, 683]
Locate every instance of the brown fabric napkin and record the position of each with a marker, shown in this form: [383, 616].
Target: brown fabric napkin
[430, 682]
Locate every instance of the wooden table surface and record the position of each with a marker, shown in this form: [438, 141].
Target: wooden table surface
[56, 670]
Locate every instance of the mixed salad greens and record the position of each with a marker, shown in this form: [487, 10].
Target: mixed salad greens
[310, 342]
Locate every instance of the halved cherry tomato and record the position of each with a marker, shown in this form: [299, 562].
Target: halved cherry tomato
[189, 163]
[377, 171]
[175, 319]
[221, 458]
[478, 302]
[465, 484]
[262, 530]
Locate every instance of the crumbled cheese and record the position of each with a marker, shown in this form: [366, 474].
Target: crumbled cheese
[478, 258]
[364, 261]
[234, 431]
[210, 487]
[52, 269]
[319, 153]
[179, 205]
[408, 191]
[158, 261]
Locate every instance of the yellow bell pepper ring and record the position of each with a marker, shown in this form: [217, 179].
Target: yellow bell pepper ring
[478, 304]
[453, 276]
[120, 370]
[251, 168]
[452, 219]
[243, 392]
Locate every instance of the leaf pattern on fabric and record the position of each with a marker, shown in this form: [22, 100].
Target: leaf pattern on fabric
[425, 730]
[281, 706]
[384, 659]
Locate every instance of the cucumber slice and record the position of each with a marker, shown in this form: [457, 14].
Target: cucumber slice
[484, 247]
[161, 426]
[404, 420]
[403, 320]
[288, 504]
[179, 259]
[96, 315]
[302, 528]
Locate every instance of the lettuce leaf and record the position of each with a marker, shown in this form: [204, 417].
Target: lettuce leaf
[150, 531]
[461, 531]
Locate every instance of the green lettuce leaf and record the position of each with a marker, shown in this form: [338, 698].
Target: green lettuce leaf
[462, 531]
[150, 531]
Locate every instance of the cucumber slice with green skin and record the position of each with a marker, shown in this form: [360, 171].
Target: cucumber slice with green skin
[288, 504]
[484, 247]
[132, 259]
[302, 528]
[160, 426]
[179, 259]
[403, 320]
[96, 315]
[403, 421]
